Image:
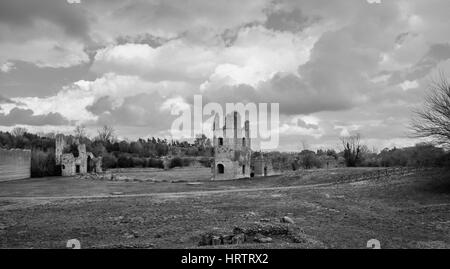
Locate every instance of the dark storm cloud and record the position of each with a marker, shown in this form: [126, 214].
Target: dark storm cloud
[29, 80]
[25, 116]
[401, 38]
[23, 13]
[4, 100]
[292, 20]
[290, 91]
[436, 54]
[146, 38]
[102, 105]
[139, 110]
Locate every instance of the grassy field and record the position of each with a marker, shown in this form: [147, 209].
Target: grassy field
[404, 211]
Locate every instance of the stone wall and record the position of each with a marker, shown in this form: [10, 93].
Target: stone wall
[15, 164]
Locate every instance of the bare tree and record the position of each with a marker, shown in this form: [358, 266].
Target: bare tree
[305, 145]
[106, 133]
[80, 131]
[352, 149]
[18, 131]
[433, 120]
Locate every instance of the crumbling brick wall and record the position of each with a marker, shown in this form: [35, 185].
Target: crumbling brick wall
[15, 164]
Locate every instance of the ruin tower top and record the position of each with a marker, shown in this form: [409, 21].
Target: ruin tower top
[231, 126]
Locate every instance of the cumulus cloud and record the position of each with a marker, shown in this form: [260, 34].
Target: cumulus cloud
[6, 67]
[44, 32]
[256, 55]
[89, 101]
[143, 110]
[27, 117]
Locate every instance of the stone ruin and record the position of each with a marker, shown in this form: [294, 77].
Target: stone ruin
[262, 166]
[72, 165]
[232, 152]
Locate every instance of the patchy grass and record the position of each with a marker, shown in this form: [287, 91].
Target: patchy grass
[401, 212]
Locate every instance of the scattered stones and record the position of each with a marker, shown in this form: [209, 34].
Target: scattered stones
[139, 220]
[130, 235]
[194, 183]
[178, 181]
[249, 214]
[127, 246]
[216, 240]
[119, 218]
[238, 239]
[227, 239]
[287, 219]
[116, 193]
[262, 239]
[258, 232]
[266, 229]
[264, 220]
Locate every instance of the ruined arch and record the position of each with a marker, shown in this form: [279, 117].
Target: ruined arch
[220, 168]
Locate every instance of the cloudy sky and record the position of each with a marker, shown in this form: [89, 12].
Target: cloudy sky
[335, 67]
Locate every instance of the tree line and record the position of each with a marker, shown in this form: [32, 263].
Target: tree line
[116, 154]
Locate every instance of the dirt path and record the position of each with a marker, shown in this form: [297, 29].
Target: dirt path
[161, 195]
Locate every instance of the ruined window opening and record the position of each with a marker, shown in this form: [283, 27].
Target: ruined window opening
[63, 166]
[243, 169]
[243, 141]
[90, 164]
[220, 141]
[220, 168]
[77, 169]
[265, 171]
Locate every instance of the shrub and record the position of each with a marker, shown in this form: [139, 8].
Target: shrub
[43, 164]
[109, 161]
[176, 162]
[139, 162]
[186, 161]
[124, 161]
[205, 161]
[155, 163]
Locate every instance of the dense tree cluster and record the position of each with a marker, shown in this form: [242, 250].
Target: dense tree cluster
[116, 154]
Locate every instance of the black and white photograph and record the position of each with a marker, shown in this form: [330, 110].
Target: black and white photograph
[203, 125]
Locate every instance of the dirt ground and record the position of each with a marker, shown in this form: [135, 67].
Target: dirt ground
[409, 211]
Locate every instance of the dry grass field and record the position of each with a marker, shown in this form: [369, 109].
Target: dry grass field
[338, 208]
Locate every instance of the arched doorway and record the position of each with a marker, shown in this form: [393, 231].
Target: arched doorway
[90, 164]
[220, 168]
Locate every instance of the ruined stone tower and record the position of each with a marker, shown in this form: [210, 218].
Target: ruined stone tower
[232, 148]
[59, 148]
